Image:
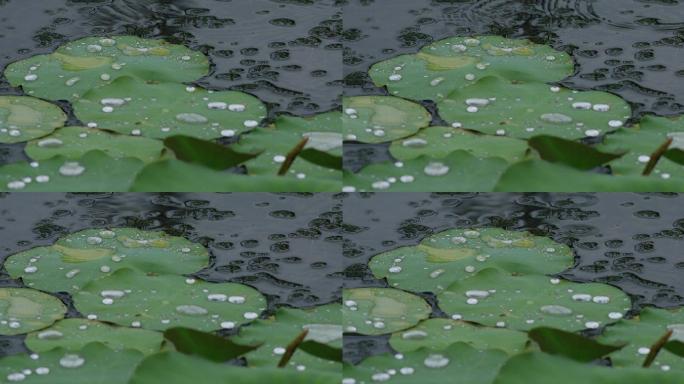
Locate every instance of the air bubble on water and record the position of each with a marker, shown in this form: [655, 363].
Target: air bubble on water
[94, 240]
[348, 380]
[556, 118]
[470, 77]
[237, 107]
[350, 111]
[71, 361]
[406, 370]
[348, 189]
[469, 269]
[436, 361]
[601, 107]
[279, 159]
[379, 325]
[191, 118]
[71, 169]
[472, 109]
[50, 143]
[437, 81]
[191, 310]
[472, 301]
[108, 42]
[471, 42]
[105, 77]
[436, 169]
[71, 274]
[556, 310]
[459, 240]
[112, 293]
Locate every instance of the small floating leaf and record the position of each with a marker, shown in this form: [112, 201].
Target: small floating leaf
[161, 110]
[456, 254]
[88, 255]
[323, 324]
[74, 142]
[74, 334]
[161, 302]
[81, 65]
[439, 334]
[439, 142]
[376, 311]
[25, 310]
[94, 172]
[458, 172]
[378, 119]
[26, 118]
[641, 332]
[459, 363]
[496, 298]
[449, 65]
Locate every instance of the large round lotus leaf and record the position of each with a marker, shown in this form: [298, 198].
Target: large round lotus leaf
[324, 132]
[439, 334]
[448, 65]
[81, 257]
[497, 298]
[79, 66]
[439, 142]
[74, 142]
[178, 176]
[25, 310]
[458, 172]
[176, 368]
[542, 368]
[160, 110]
[25, 118]
[641, 333]
[376, 311]
[94, 364]
[378, 119]
[276, 332]
[131, 298]
[522, 110]
[94, 172]
[534, 175]
[457, 254]
[75, 334]
[458, 364]
[641, 141]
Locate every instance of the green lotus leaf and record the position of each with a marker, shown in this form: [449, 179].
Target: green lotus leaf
[159, 302]
[439, 142]
[523, 110]
[323, 131]
[535, 175]
[94, 364]
[160, 110]
[82, 257]
[75, 334]
[379, 119]
[278, 331]
[176, 368]
[539, 368]
[449, 65]
[376, 311]
[79, 66]
[457, 254]
[641, 141]
[26, 118]
[641, 332]
[94, 172]
[458, 364]
[497, 298]
[177, 176]
[437, 334]
[74, 142]
[25, 310]
[458, 172]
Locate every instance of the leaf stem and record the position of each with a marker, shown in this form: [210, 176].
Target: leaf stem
[292, 156]
[655, 348]
[291, 348]
[655, 157]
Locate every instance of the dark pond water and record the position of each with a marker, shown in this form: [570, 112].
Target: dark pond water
[632, 241]
[632, 48]
[286, 246]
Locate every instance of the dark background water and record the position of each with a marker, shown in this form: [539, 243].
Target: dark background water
[632, 48]
[285, 245]
[632, 241]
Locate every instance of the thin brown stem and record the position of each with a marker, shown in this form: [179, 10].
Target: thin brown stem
[292, 156]
[655, 348]
[291, 348]
[655, 157]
